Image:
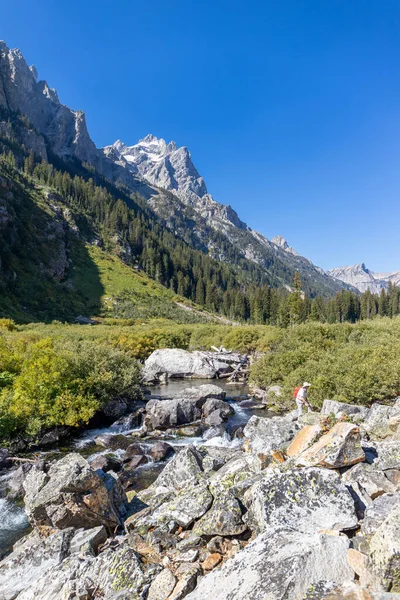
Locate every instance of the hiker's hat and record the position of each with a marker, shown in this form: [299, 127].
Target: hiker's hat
[306, 384]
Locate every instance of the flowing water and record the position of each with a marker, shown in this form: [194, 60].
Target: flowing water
[13, 521]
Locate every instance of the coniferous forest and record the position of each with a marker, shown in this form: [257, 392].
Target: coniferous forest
[122, 225]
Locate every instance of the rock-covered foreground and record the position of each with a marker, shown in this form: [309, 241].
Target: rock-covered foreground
[306, 508]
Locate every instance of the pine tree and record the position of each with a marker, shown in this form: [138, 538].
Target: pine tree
[383, 306]
[295, 301]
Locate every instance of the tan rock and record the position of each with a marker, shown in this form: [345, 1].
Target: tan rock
[183, 587]
[350, 591]
[335, 532]
[340, 447]
[130, 495]
[277, 456]
[162, 586]
[357, 561]
[211, 561]
[304, 439]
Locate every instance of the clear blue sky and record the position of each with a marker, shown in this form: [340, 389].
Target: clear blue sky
[291, 108]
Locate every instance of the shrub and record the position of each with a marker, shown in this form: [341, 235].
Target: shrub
[140, 345]
[242, 339]
[7, 324]
[205, 336]
[357, 364]
[65, 383]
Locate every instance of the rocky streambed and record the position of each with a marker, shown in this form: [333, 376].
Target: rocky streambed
[212, 496]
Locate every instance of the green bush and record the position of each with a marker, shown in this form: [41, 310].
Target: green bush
[64, 383]
[242, 339]
[141, 344]
[352, 363]
[7, 324]
[205, 336]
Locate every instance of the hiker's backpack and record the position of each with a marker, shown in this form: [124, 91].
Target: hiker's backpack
[296, 391]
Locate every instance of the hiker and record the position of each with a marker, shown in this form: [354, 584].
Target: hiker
[301, 398]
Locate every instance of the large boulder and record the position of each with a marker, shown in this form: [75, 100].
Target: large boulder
[213, 404]
[387, 455]
[306, 500]
[113, 441]
[162, 586]
[160, 451]
[223, 518]
[383, 422]
[30, 559]
[262, 435]
[176, 363]
[71, 494]
[105, 462]
[367, 483]
[184, 408]
[239, 468]
[342, 408]
[383, 564]
[201, 393]
[16, 482]
[39, 566]
[377, 512]
[183, 508]
[278, 565]
[340, 447]
[304, 439]
[113, 574]
[184, 469]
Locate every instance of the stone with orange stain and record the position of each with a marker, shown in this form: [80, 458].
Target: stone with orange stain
[277, 456]
[211, 561]
[340, 447]
[304, 439]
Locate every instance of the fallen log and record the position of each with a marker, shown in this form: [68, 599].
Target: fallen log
[23, 460]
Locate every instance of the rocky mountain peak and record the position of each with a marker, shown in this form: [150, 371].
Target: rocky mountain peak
[34, 71]
[162, 164]
[280, 241]
[360, 277]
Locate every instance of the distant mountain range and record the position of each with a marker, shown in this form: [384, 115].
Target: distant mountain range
[363, 279]
[161, 173]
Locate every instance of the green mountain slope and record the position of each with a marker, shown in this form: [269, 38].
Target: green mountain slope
[50, 271]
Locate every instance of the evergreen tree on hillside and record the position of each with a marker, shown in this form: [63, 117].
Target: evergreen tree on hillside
[295, 302]
[383, 304]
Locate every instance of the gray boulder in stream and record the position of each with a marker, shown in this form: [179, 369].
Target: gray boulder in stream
[184, 408]
[176, 363]
[72, 494]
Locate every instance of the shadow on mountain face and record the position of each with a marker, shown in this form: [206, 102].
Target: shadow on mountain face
[46, 272]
